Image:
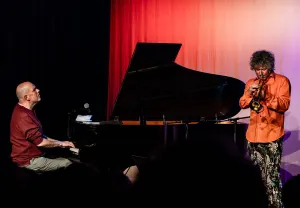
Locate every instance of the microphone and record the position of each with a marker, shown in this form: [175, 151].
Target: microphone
[87, 107]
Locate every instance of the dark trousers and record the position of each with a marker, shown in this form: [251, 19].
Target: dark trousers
[268, 157]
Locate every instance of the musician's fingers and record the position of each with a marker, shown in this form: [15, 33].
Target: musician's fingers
[71, 144]
[252, 89]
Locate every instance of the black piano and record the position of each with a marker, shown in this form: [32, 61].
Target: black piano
[161, 102]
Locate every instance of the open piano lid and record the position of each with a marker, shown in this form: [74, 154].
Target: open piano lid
[155, 87]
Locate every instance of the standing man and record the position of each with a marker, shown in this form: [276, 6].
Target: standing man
[268, 96]
[26, 134]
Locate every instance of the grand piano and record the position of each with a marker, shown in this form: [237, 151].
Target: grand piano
[161, 102]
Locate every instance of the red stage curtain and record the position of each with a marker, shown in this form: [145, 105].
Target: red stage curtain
[217, 36]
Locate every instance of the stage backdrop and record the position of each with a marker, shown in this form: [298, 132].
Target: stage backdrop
[217, 37]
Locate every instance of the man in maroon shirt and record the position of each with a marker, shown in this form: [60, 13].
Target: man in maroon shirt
[26, 134]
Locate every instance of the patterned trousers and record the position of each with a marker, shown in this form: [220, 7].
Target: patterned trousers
[268, 157]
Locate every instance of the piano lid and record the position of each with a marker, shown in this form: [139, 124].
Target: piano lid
[155, 86]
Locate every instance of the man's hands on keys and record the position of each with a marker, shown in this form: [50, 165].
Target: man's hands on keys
[67, 144]
[71, 146]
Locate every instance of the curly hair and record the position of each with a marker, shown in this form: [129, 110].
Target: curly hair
[262, 58]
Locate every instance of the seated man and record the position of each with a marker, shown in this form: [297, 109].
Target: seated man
[26, 134]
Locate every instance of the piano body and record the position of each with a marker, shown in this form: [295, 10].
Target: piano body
[161, 102]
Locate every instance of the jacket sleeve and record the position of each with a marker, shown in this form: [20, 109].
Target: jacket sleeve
[280, 102]
[246, 98]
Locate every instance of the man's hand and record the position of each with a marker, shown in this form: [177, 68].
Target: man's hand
[263, 90]
[51, 143]
[253, 89]
[67, 144]
[257, 91]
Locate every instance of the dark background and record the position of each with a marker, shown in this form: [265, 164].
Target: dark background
[63, 48]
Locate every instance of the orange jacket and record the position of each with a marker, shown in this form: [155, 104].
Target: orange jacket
[268, 124]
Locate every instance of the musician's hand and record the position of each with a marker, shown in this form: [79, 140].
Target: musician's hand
[253, 89]
[67, 144]
[263, 93]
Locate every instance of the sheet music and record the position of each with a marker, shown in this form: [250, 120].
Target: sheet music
[83, 117]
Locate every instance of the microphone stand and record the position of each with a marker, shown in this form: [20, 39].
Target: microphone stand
[234, 121]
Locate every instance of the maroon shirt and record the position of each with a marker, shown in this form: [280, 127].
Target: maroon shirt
[25, 134]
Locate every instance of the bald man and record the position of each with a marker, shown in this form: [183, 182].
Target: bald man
[26, 134]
